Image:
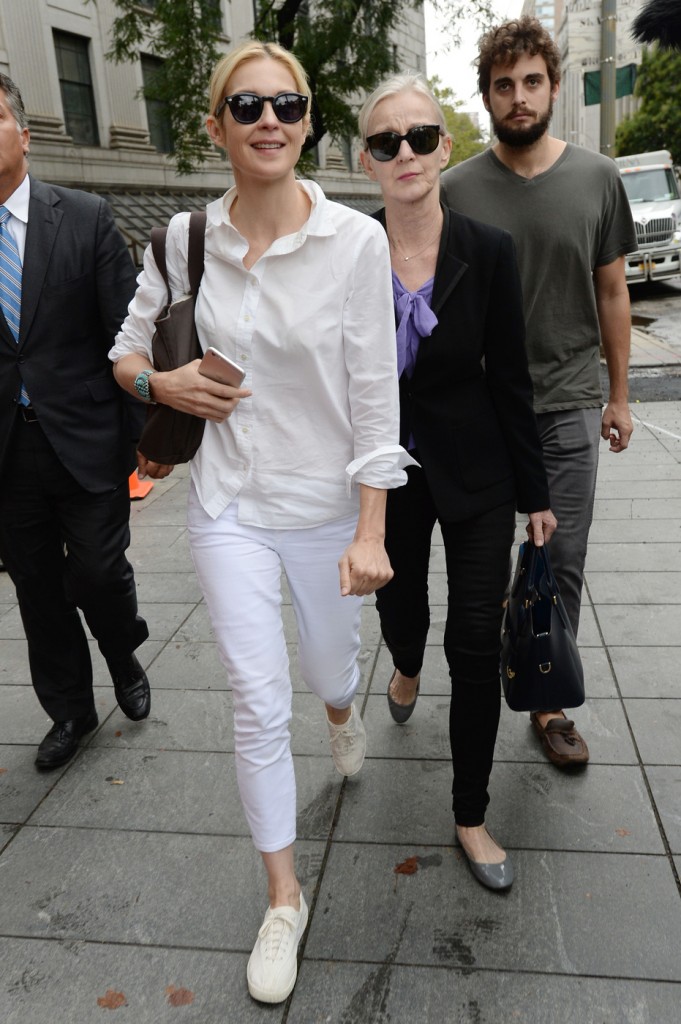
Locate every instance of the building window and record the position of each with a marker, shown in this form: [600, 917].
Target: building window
[160, 131]
[75, 81]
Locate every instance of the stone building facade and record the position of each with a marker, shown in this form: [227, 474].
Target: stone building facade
[91, 129]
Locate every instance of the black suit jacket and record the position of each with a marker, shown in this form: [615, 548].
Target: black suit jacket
[468, 404]
[77, 281]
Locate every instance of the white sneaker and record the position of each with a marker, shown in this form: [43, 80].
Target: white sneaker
[348, 743]
[273, 964]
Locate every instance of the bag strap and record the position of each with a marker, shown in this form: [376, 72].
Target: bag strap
[158, 248]
[195, 251]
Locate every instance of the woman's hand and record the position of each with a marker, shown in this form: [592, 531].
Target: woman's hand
[186, 390]
[541, 526]
[156, 470]
[364, 567]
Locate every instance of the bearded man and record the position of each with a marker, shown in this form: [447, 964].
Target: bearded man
[568, 213]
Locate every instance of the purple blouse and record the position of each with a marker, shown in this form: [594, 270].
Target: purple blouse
[415, 320]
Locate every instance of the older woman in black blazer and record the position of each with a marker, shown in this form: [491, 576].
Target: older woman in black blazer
[466, 416]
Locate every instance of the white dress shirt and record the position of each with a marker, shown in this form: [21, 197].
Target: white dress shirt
[17, 204]
[312, 323]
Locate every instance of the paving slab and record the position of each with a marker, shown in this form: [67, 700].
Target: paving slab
[641, 487]
[177, 791]
[656, 725]
[167, 587]
[143, 888]
[604, 809]
[22, 787]
[644, 624]
[48, 981]
[23, 720]
[634, 557]
[562, 911]
[616, 588]
[179, 720]
[601, 722]
[7, 833]
[665, 783]
[189, 665]
[647, 671]
[130, 884]
[358, 993]
[14, 664]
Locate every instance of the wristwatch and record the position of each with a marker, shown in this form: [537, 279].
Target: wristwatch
[142, 386]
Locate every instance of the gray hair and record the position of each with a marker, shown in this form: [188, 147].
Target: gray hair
[405, 82]
[14, 101]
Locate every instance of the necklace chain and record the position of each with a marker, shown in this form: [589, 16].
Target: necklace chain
[414, 254]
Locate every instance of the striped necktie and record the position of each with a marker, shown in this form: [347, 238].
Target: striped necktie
[10, 283]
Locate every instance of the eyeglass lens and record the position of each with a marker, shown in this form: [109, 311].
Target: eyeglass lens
[422, 139]
[247, 107]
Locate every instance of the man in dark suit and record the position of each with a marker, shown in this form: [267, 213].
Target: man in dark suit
[67, 440]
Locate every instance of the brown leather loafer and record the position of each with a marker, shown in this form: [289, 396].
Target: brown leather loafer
[562, 743]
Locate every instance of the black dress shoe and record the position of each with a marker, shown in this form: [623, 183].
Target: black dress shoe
[62, 741]
[131, 687]
[401, 713]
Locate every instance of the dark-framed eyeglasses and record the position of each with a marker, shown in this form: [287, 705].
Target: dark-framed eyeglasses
[247, 107]
[422, 139]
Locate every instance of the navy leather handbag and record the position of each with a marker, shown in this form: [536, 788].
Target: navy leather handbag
[541, 669]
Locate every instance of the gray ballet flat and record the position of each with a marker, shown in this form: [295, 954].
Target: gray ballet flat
[492, 876]
[401, 713]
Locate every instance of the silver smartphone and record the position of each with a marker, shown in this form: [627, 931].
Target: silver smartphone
[221, 369]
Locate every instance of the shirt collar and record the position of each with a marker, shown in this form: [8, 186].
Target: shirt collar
[17, 204]
[318, 223]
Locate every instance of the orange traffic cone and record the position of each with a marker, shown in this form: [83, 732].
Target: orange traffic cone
[139, 488]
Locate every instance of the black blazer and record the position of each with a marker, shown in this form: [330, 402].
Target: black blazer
[468, 403]
[77, 281]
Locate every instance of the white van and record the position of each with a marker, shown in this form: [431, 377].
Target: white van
[653, 192]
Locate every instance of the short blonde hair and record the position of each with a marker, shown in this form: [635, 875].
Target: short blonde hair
[408, 81]
[251, 50]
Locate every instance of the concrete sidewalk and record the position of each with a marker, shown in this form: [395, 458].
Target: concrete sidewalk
[130, 890]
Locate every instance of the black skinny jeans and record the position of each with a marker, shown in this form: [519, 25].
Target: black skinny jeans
[477, 554]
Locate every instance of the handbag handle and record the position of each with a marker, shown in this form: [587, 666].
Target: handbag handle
[540, 567]
[195, 251]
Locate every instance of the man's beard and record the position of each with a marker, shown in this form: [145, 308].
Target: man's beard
[520, 137]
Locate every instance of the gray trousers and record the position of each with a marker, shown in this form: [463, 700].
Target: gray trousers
[570, 441]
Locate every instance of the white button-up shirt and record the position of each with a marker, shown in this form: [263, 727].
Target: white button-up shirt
[313, 325]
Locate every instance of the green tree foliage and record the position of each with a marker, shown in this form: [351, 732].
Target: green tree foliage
[657, 124]
[467, 138]
[184, 34]
[344, 45]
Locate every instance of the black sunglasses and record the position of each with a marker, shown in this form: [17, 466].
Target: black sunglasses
[247, 107]
[422, 139]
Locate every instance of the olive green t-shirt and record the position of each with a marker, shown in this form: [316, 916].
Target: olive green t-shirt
[568, 220]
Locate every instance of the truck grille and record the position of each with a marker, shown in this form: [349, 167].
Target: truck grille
[655, 231]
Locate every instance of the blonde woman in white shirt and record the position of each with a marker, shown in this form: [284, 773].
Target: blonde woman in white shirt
[294, 465]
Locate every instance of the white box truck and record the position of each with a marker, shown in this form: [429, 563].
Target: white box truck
[653, 191]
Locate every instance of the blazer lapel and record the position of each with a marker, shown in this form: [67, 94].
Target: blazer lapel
[44, 218]
[449, 269]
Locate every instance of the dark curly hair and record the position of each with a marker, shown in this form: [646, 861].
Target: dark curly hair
[505, 44]
[659, 21]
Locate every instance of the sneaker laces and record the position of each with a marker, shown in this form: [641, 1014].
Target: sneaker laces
[344, 735]
[275, 935]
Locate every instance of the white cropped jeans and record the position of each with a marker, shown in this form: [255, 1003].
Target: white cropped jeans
[239, 569]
